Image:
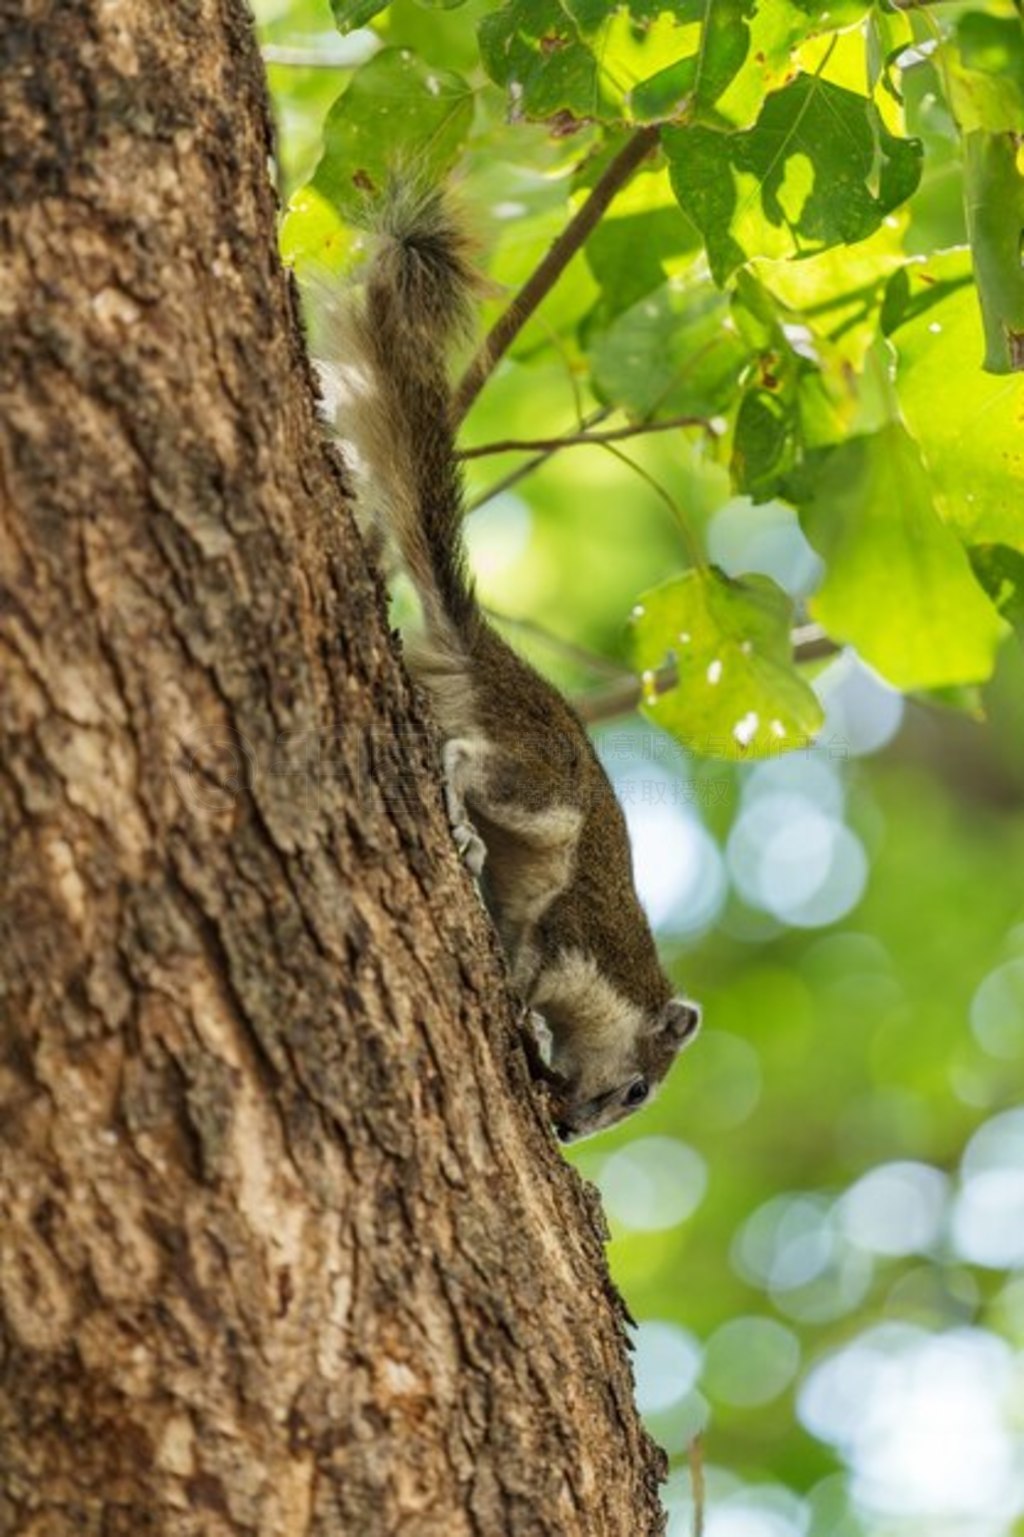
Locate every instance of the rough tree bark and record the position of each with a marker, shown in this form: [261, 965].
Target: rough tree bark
[285, 1246]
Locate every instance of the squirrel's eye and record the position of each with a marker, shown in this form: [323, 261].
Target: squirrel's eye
[637, 1092]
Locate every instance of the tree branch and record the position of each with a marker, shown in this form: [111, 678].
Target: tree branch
[810, 643]
[543, 278]
[579, 439]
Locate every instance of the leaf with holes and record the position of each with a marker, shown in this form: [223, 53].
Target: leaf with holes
[818, 169]
[738, 695]
[395, 109]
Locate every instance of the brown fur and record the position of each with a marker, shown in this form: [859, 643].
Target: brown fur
[523, 776]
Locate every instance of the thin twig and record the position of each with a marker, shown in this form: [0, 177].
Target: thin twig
[592, 660]
[580, 439]
[696, 1460]
[542, 279]
[690, 539]
[522, 470]
[622, 698]
[810, 643]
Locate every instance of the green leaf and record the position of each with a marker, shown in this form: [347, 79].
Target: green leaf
[764, 446]
[985, 73]
[535, 49]
[395, 109]
[796, 394]
[743, 52]
[1000, 570]
[349, 14]
[898, 585]
[967, 422]
[628, 255]
[738, 694]
[676, 352]
[698, 61]
[692, 85]
[312, 234]
[818, 169]
[636, 63]
[994, 198]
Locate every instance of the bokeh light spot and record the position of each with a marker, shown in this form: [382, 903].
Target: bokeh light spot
[750, 1361]
[654, 1183]
[862, 713]
[997, 1011]
[666, 1363]
[768, 539]
[895, 1209]
[923, 1421]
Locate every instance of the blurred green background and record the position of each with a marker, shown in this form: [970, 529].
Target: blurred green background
[819, 1225]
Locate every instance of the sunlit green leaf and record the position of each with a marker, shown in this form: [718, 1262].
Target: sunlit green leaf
[970, 424]
[395, 110]
[895, 574]
[985, 73]
[536, 50]
[698, 61]
[312, 232]
[817, 169]
[738, 694]
[675, 352]
[691, 85]
[349, 14]
[994, 196]
[1000, 570]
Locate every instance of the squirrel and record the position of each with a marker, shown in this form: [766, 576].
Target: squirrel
[531, 808]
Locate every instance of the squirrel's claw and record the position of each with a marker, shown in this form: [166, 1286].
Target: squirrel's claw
[471, 847]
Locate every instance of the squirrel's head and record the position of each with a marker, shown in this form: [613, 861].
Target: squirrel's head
[599, 1082]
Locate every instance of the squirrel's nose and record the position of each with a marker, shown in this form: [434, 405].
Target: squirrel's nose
[563, 1131]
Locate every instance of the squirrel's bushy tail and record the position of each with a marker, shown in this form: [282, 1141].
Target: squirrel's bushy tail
[419, 290]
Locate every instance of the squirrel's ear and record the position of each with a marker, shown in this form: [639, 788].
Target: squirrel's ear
[681, 1021]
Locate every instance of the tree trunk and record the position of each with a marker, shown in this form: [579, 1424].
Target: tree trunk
[285, 1245]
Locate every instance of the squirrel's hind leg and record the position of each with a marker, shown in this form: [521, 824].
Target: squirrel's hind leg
[460, 759]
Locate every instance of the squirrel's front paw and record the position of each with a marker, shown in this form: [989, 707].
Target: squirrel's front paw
[537, 1044]
[458, 758]
[471, 847]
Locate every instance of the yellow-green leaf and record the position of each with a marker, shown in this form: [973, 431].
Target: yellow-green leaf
[738, 695]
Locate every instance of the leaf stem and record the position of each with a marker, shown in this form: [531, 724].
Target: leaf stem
[696, 554]
[546, 274]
